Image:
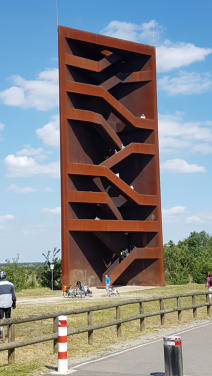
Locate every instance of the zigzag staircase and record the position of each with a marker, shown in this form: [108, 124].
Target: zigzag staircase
[109, 159]
[119, 267]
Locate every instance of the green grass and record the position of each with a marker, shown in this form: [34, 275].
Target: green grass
[40, 355]
[17, 370]
[37, 292]
[167, 290]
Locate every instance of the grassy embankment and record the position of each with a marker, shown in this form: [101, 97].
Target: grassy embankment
[35, 357]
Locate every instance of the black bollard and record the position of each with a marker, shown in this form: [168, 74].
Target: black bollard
[173, 356]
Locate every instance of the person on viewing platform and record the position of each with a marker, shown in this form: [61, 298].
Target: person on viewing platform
[121, 256]
[7, 298]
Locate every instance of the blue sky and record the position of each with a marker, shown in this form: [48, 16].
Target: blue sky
[29, 125]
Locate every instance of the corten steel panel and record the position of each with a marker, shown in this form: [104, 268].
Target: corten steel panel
[109, 160]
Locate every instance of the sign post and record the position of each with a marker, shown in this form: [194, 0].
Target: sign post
[52, 275]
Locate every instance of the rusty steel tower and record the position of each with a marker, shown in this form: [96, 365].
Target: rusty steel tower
[110, 183]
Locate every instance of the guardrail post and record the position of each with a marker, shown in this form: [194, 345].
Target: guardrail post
[141, 311]
[208, 305]
[173, 356]
[11, 338]
[90, 332]
[2, 328]
[162, 315]
[193, 304]
[62, 361]
[118, 316]
[55, 324]
[179, 312]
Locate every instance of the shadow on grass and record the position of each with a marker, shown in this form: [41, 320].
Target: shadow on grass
[51, 368]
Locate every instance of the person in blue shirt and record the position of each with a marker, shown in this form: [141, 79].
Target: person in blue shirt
[107, 283]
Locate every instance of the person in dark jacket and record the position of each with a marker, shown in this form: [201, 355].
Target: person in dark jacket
[7, 298]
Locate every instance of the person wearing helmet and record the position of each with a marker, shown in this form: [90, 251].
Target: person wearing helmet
[7, 298]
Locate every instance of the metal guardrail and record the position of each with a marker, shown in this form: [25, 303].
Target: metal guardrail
[12, 344]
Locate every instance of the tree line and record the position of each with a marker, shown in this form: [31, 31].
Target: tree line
[33, 275]
[189, 260]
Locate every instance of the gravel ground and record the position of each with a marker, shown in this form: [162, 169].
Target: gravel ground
[97, 294]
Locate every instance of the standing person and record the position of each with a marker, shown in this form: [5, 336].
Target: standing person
[64, 289]
[107, 283]
[7, 298]
[209, 284]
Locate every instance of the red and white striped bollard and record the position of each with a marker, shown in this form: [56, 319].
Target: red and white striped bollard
[62, 361]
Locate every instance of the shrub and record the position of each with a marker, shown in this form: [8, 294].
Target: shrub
[45, 271]
[17, 274]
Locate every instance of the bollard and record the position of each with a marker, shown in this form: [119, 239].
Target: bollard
[173, 356]
[62, 361]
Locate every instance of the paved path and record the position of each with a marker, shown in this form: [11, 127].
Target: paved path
[147, 359]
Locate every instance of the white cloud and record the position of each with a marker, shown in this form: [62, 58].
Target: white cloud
[194, 219]
[175, 55]
[49, 133]
[49, 75]
[174, 210]
[148, 32]
[181, 166]
[28, 150]
[6, 217]
[169, 144]
[176, 134]
[14, 96]
[24, 166]
[37, 153]
[202, 217]
[173, 214]
[169, 55]
[41, 93]
[186, 83]
[179, 214]
[56, 210]
[2, 126]
[48, 189]
[17, 189]
[203, 148]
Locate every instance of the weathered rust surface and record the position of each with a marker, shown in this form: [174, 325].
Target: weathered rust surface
[110, 184]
